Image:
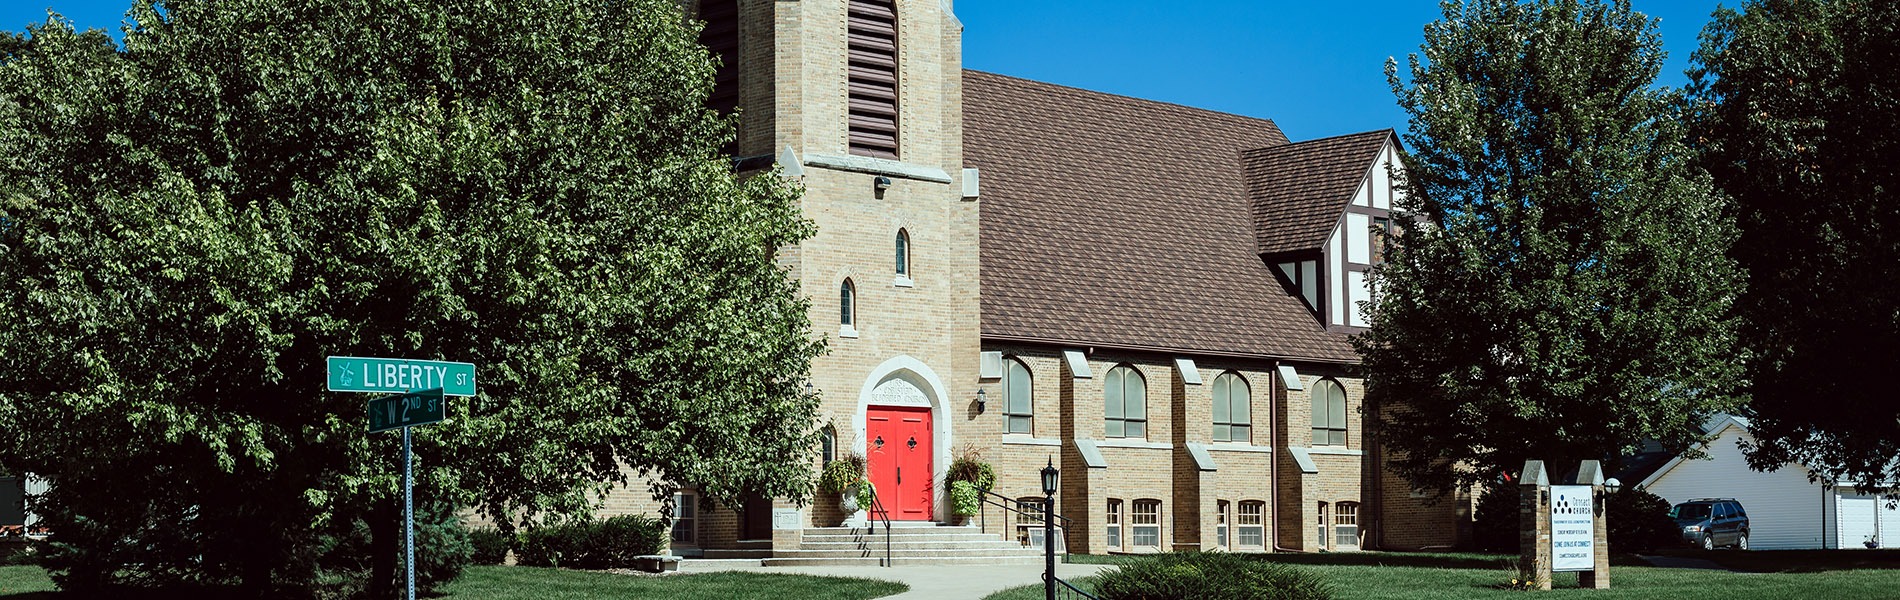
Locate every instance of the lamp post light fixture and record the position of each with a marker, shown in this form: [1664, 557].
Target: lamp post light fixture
[1613, 485]
[1050, 477]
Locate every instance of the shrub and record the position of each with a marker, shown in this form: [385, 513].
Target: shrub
[1495, 526]
[841, 473]
[25, 553]
[491, 545]
[1210, 576]
[339, 568]
[964, 499]
[1639, 521]
[608, 544]
[442, 549]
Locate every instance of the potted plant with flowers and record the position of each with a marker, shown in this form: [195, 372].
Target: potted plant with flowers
[968, 477]
[846, 477]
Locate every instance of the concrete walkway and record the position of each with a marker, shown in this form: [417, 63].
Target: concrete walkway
[926, 582]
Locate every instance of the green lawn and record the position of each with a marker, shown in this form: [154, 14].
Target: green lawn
[1377, 575]
[507, 583]
[20, 582]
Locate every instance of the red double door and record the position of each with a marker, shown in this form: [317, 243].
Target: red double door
[899, 455]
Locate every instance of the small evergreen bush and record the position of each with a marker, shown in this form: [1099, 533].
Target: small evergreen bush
[608, 544]
[442, 549]
[1639, 521]
[1210, 576]
[491, 545]
[1495, 526]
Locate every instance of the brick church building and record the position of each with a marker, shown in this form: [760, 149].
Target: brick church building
[1155, 298]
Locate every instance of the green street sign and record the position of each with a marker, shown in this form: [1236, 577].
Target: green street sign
[419, 408]
[399, 376]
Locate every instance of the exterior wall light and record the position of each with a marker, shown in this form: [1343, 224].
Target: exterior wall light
[982, 399]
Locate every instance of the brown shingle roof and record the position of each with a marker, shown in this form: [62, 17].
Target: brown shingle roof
[1116, 221]
[1299, 190]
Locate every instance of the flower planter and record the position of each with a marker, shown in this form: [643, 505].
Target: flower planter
[655, 563]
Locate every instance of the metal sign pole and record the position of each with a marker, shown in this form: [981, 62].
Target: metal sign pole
[408, 514]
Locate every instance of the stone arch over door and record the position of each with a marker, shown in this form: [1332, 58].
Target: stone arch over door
[906, 381]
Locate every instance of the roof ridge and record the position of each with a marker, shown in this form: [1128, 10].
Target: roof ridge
[1138, 100]
[1292, 146]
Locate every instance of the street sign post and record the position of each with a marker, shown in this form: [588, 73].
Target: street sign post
[419, 386]
[400, 376]
[418, 408]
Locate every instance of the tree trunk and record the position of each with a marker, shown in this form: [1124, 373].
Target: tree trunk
[385, 542]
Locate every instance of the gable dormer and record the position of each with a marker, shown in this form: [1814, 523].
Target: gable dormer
[1315, 207]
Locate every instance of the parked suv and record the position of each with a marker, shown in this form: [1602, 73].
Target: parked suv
[1710, 522]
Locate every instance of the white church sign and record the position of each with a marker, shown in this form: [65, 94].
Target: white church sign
[1572, 528]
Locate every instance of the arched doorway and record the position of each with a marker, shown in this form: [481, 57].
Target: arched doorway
[906, 434]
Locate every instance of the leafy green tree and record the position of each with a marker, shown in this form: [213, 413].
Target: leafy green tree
[1794, 105]
[190, 223]
[1563, 293]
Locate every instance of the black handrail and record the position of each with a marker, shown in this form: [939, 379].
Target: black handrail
[1068, 590]
[877, 508]
[1009, 506]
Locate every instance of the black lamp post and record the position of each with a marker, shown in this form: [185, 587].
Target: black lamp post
[1050, 477]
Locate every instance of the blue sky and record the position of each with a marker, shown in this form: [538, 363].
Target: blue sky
[1313, 67]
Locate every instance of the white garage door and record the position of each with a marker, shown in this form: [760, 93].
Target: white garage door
[1857, 519]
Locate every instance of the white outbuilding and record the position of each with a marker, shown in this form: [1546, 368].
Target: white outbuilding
[1785, 509]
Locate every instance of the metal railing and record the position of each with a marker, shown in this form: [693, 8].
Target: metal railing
[1065, 589]
[877, 509]
[1008, 505]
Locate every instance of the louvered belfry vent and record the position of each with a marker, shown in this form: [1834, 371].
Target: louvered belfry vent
[873, 78]
[721, 36]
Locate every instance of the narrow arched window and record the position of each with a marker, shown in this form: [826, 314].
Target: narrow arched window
[1114, 520]
[903, 253]
[847, 304]
[1221, 523]
[1322, 526]
[828, 444]
[1233, 413]
[1125, 404]
[1329, 413]
[1018, 401]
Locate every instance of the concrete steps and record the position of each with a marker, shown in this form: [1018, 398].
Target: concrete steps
[911, 543]
[900, 561]
[742, 549]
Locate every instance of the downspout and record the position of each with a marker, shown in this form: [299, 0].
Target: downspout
[1374, 450]
[1273, 474]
